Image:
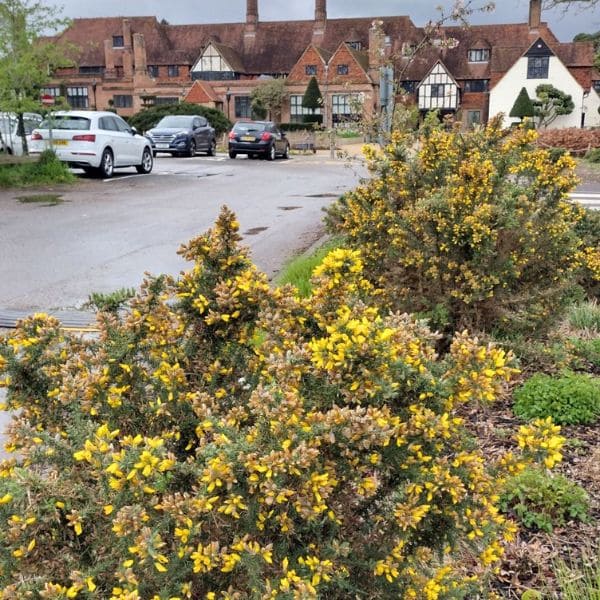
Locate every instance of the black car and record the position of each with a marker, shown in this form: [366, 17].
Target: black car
[258, 138]
[183, 135]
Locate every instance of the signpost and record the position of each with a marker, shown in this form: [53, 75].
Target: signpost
[48, 100]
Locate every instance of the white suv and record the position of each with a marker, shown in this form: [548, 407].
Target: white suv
[95, 141]
[10, 138]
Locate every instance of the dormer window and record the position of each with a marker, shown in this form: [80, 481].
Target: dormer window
[118, 41]
[408, 48]
[479, 55]
[356, 45]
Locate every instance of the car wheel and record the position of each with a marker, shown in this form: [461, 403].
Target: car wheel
[192, 150]
[286, 153]
[107, 164]
[212, 148]
[89, 170]
[271, 153]
[147, 162]
[232, 154]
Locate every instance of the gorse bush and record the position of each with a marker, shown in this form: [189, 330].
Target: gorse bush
[225, 440]
[474, 226]
[570, 399]
[543, 501]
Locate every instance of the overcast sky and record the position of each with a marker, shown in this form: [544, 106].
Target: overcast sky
[565, 24]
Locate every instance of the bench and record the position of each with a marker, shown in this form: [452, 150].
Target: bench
[305, 147]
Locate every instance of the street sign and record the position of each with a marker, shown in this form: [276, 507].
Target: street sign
[47, 100]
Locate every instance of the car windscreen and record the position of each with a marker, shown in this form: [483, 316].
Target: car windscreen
[176, 121]
[66, 122]
[249, 127]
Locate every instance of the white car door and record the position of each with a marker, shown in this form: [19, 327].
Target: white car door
[130, 156]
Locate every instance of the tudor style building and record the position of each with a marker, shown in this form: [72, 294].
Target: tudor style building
[472, 73]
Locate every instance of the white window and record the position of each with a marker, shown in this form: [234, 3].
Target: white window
[77, 97]
[479, 55]
[297, 111]
[345, 108]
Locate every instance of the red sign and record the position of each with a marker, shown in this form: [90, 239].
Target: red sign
[47, 100]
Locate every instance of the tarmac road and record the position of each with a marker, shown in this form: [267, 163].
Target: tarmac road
[103, 235]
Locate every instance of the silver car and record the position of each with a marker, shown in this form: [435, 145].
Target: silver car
[95, 141]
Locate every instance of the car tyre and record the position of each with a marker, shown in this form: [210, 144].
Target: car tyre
[271, 153]
[232, 154]
[286, 153]
[212, 148]
[107, 164]
[192, 150]
[147, 163]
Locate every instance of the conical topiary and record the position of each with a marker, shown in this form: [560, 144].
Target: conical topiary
[523, 107]
[312, 96]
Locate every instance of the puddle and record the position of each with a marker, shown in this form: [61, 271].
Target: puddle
[288, 207]
[43, 199]
[325, 195]
[255, 230]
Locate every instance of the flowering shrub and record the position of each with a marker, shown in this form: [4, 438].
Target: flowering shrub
[472, 230]
[226, 441]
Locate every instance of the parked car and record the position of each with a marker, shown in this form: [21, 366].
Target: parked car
[10, 136]
[258, 138]
[183, 135]
[95, 141]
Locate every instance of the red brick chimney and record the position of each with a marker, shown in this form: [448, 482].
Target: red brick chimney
[251, 18]
[535, 14]
[320, 22]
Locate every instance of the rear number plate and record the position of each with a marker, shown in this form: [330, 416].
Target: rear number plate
[247, 138]
[60, 142]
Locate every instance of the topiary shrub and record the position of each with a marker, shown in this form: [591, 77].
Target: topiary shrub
[570, 399]
[147, 118]
[543, 501]
[222, 439]
[473, 225]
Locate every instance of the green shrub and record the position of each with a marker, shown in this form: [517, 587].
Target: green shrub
[587, 351]
[543, 501]
[299, 126]
[149, 117]
[569, 399]
[111, 302]
[46, 170]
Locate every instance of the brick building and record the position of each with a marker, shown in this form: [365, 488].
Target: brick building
[130, 63]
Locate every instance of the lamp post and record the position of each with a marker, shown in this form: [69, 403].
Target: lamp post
[94, 86]
[228, 98]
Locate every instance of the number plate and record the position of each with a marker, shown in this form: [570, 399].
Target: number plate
[247, 138]
[161, 146]
[60, 142]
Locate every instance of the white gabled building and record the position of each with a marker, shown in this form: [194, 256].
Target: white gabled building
[438, 90]
[542, 65]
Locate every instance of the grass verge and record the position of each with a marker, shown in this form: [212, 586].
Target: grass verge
[299, 269]
[44, 171]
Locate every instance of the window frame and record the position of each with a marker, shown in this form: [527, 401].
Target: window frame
[76, 92]
[310, 70]
[118, 41]
[538, 67]
[343, 69]
[437, 87]
[172, 70]
[479, 55]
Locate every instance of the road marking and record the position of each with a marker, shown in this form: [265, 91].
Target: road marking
[120, 178]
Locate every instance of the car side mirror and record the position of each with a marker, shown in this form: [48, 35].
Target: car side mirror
[134, 131]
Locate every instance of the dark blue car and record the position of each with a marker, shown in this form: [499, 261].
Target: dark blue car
[183, 135]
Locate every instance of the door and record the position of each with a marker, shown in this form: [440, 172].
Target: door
[128, 150]
[200, 127]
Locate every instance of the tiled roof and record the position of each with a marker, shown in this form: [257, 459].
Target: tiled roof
[277, 46]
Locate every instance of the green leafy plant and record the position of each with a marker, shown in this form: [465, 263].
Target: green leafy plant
[543, 501]
[593, 155]
[588, 353]
[569, 399]
[46, 170]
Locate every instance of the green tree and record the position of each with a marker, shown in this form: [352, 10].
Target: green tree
[312, 98]
[269, 96]
[595, 39]
[551, 103]
[26, 59]
[523, 107]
